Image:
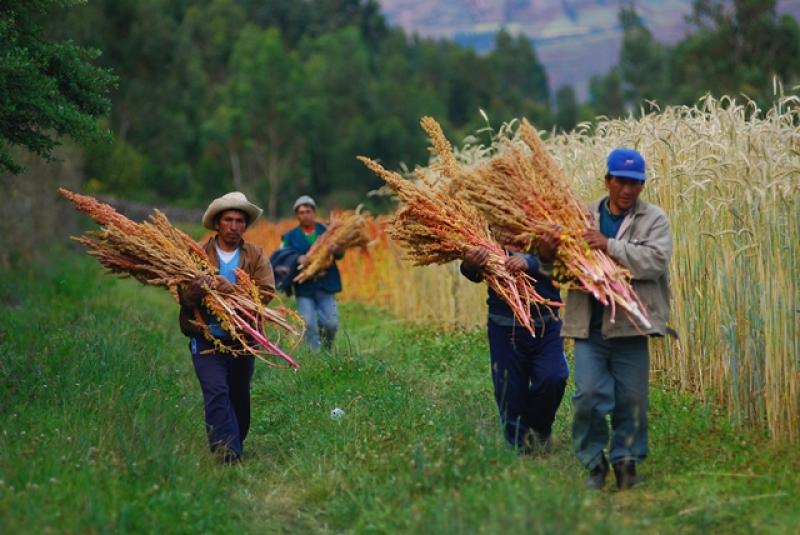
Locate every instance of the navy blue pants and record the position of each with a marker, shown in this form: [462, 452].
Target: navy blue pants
[529, 376]
[225, 381]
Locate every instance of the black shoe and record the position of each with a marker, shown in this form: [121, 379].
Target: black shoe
[545, 444]
[227, 456]
[625, 472]
[597, 475]
[537, 444]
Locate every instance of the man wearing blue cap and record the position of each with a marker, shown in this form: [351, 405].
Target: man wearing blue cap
[612, 359]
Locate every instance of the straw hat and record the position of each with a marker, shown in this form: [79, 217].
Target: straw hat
[234, 200]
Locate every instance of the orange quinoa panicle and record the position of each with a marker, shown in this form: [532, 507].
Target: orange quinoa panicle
[522, 191]
[437, 228]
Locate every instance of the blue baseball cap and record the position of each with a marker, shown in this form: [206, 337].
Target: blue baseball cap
[626, 163]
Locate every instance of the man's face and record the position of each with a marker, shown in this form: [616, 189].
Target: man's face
[305, 215]
[622, 193]
[230, 226]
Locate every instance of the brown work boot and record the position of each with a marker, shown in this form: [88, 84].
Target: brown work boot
[625, 472]
[597, 475]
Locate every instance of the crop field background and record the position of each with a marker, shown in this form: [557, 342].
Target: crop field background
[729, 179]
[102, 416]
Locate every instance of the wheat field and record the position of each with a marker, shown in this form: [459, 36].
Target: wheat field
[728, 176]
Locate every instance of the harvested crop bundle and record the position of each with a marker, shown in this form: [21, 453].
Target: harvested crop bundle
[345, 230]
[156, 253]
[437, 228]
[522, 192]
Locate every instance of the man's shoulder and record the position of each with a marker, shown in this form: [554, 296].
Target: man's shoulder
[288, 234]
[651, 210]
[594, 206]
[292, 231]
[251, 249]
[207, 243]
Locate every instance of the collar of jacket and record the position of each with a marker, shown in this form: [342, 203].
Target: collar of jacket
[208, 247]
[636, 210]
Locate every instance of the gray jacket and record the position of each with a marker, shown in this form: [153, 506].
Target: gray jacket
[644, 246]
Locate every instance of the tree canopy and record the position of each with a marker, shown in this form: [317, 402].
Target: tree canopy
[48, 88]
[277, 98]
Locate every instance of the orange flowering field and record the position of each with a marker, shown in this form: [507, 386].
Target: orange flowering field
[380, 276]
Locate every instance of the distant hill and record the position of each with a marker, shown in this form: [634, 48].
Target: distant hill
[574, 39]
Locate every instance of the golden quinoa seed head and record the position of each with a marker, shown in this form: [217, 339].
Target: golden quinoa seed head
[521, 192]
[438, 228]
[442, 148]
[156, 253]
[346, 230]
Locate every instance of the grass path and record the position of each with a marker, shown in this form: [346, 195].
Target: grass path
[102, 433]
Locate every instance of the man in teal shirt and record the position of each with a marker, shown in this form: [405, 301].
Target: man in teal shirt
[316, 298]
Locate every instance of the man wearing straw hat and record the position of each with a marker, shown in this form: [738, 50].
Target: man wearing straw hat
[316, 298]
[225, 379]
[611, 357]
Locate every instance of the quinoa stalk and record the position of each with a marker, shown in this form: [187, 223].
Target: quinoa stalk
[346, 230]
[522, 192]
[437, 228]
[156, 253]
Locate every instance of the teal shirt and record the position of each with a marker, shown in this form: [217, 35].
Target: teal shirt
[610, 223]
[609, 227]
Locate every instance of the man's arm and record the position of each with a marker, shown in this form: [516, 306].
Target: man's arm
[534, 266]
[302, 258]
[472, 273]
[190, 295]
[541, 265]
[264, 278]
[647, 259]
[473, 263]
[336, 251]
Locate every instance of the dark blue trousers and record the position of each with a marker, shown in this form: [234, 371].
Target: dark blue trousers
[225, 381]
[529, 376]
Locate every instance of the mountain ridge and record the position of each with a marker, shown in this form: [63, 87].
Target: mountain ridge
[574, 39]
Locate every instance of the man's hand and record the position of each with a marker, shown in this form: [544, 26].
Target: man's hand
[302, 260]
[222, 285]
[549, 241]
[476, 258]
[595, 239]
[193, 292]
[516, 264]
[334, 250]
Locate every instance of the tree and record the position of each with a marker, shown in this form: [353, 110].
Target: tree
[605, 93]
[738, 47]
[277, 97]
[260, 115]
[567, 108]
[641, 60]
[338, 80]
[519, 80]
[518, 67]
[312, 18]
[48, 89]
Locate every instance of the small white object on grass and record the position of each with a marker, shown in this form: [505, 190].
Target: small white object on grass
[336, 413]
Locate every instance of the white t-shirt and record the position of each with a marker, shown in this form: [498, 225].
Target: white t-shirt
[225, 256]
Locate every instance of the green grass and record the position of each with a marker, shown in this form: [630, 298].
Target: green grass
[102, 433]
